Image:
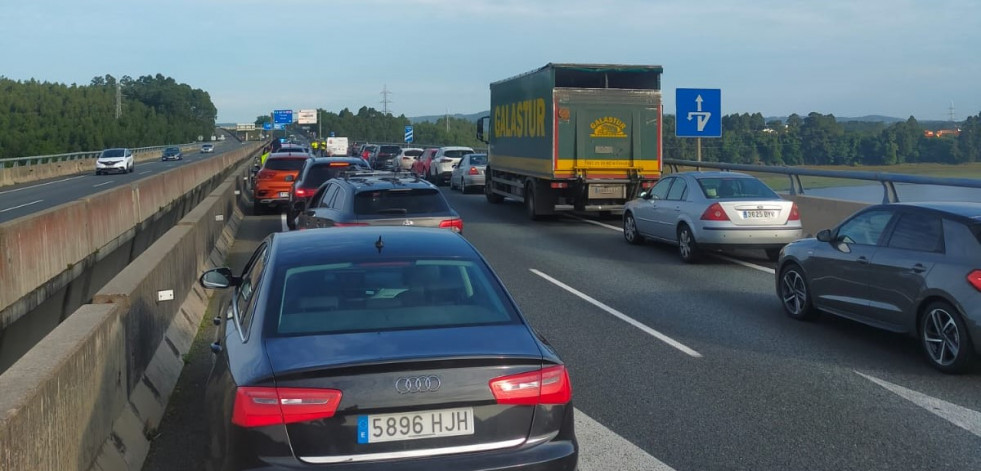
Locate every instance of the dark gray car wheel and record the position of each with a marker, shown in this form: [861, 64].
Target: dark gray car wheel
[687, 247]
[795, 294]
[630, 230]
[945, 339]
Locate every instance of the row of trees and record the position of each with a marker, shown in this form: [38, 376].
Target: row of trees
[39, 118]
[819, 139]
[815, 139]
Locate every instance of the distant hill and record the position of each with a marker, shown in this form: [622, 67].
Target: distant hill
[872, 118]
[432, 119]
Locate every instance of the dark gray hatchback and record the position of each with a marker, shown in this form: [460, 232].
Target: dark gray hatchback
[911, 268]
[378, 199]
[381, 348]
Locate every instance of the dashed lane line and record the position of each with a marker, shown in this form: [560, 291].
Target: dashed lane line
[601, 449]
[21, 206]
[101, 184]
[962, 417]
[723, 257]
[38, 185]
[619, 315]
[282, 219]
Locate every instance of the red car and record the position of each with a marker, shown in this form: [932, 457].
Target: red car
[421, 165]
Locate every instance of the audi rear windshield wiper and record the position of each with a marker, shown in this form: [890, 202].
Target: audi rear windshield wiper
[392, 211]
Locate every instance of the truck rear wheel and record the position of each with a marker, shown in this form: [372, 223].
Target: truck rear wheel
[530, 202]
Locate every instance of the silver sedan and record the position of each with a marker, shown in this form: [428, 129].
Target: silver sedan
[712, 210]
[469, 172]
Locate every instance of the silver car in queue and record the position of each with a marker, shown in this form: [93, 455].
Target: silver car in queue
[469, 172]
[700, 211]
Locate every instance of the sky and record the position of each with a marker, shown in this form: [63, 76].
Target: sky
[845, 57]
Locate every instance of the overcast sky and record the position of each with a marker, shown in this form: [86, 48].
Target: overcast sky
[846, 57]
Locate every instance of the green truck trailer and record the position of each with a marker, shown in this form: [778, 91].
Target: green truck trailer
[585, 137]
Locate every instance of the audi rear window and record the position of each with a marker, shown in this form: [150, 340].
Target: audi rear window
[285, 164]
[386, 294]
[400, 201]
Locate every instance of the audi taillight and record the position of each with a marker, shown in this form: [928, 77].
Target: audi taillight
[260, 406]
[302, 192]
[715, 213]
[794, 214]
[473, 171]
[545, 386]
[455, 224]
[974, 278]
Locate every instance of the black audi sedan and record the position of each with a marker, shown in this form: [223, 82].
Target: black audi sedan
[381, 348]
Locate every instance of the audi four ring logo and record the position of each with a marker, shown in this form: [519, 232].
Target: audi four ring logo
[417, 384]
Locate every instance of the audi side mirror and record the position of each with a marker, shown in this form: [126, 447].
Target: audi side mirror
[824, 235]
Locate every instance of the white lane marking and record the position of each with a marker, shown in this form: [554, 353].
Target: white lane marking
[744, 263]
[101, 184]
[601, 449]
[664, 338]
[21, 206]
[723, 257]
[42, 184]
[144, 173]
[962, 417]
[283, 220]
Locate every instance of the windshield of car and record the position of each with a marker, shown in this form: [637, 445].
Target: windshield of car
[716, 188]
[285, 164]
[386, 294]
[412, 153]
[390, 149]
[320, 173]
[478, 159]
[457, 153]
[112, 153]
[400, 201]
[172, 150]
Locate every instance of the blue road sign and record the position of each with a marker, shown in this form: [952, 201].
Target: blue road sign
[283, 116]
[332, 134]
[408, 134]
[698, 112]
[267, 126]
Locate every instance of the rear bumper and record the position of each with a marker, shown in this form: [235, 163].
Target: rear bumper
[473, 180]
[748, 238]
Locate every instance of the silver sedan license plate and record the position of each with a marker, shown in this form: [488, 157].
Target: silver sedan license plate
[378, 428]
[758, 214]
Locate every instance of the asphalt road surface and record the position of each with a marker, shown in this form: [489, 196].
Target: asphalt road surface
[685, 367]
[30, 198]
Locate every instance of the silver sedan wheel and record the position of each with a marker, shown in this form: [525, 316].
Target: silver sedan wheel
[941, 337]
[630, 229]
[686, 245]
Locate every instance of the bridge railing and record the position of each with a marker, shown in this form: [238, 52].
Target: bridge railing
[888, 180]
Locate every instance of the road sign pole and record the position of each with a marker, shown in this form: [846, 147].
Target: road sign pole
[698, 147]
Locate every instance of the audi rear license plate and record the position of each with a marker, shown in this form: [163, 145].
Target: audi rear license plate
[607, 191]
[758, 214]
[377, 428]
[284, 194]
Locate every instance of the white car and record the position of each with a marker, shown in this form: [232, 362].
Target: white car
[207, 148]
[408, 156]
[117, 160]
[441, 168]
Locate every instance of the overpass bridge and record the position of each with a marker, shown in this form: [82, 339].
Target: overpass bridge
[93, 392]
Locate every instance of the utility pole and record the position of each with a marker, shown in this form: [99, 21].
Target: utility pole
[447, 120]
[119, 100]
[385, 101]
[951, 110]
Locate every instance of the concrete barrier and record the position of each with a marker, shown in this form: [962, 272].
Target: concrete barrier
[89, 395]
[37, 251]
[818, 213]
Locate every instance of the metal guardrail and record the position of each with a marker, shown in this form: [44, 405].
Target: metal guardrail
[45, 159]
[888, 180]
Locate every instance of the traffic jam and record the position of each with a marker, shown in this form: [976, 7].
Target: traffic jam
[397, 318]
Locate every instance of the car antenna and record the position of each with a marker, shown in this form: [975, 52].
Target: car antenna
[379, 244]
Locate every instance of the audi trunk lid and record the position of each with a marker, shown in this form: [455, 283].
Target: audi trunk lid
[408, 393]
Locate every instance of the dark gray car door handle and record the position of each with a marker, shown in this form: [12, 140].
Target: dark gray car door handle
[918, 268]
